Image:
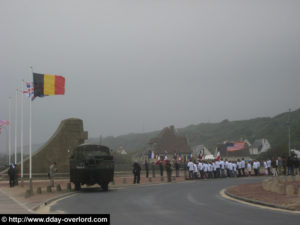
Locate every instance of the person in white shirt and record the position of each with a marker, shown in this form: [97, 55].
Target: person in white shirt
[195, 171]
[210, 170]
[205, 169]
[238, 164]
[218, 168]
[249, 168]
[269, 166]
[258, 167]
[229, 168]
[243, 166]
[201, 170]
[226, 167]
[222, 167]
[234, 166]
[266, 168]
[190, 165]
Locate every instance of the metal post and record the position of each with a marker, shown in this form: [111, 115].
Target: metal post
[289, 124]
[9, 131]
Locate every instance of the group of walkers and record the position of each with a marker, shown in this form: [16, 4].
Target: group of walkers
[207, 169]
[227, 168]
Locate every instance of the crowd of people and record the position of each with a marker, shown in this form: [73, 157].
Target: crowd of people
[240, 167]
[207, 169]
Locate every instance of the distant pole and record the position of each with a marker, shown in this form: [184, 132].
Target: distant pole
[22, 106]
[30, 146]
[289, 124]
[9, 131]
[16, 125]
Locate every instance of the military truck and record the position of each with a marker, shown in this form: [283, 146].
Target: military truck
[91, 164]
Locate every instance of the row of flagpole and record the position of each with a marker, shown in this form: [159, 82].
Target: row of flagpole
[22, 92]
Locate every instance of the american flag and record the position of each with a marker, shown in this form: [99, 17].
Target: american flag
[236, 146]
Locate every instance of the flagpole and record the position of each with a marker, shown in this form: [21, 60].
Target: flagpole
[16, 125]
[30, 146]
[22, 106]
[9, 131]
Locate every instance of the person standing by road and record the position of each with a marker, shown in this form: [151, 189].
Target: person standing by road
[249, 168]
[169, 170]
[176, 165]
[190, 165]
[147, 168]
[136, 173]
[11, 174]
[274, 167]
[153, 169]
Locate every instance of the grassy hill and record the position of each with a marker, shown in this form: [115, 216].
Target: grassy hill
[210, 134]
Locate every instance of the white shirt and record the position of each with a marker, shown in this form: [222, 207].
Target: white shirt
[269, 163]
[239, 165]
[205, 167]
[195, 168]
[200, 166]
[222, 164]
[258, 165]
[218, 164]
[243, 164]
[234, 166]
[249, 166]
[229, 166]
[190, 166]
[226, 165]
[265, 164]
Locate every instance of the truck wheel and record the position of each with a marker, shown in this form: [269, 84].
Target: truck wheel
[104, 186]
[77, 186]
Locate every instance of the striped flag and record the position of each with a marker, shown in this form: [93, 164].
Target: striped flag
[236, 146]
[29, 89]
[3, 122]
[179, 157]
[45, 84]
[158, 160]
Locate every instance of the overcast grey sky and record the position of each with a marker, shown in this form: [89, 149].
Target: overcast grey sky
[137, 65]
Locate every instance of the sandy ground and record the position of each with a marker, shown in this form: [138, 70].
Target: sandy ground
[256, 192]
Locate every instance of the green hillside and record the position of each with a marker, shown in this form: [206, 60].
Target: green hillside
[210, 134]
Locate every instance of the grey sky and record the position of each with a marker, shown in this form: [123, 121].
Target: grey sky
[134, 66]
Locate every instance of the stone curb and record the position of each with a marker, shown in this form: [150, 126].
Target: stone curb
[48, 201]
[259, 202]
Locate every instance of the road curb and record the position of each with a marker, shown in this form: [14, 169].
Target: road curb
[259, 202]
[48, 201]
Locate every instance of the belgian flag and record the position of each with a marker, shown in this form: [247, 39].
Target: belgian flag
[45, 84]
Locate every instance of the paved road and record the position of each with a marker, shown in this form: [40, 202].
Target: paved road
[194, 202]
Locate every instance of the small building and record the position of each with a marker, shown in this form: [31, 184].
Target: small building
[259, 146]
[169, 142]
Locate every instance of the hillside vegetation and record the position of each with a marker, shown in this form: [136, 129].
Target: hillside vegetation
[210, 134]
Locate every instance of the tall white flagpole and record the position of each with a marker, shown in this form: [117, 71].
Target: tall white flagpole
[22, 105]
[30, 146]
[9, 131]
[16, 125]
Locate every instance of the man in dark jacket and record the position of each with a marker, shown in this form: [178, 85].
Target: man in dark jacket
[169, 170]
[11, 173]
[136, 173]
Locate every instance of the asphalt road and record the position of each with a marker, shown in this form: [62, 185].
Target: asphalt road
[187, 203]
